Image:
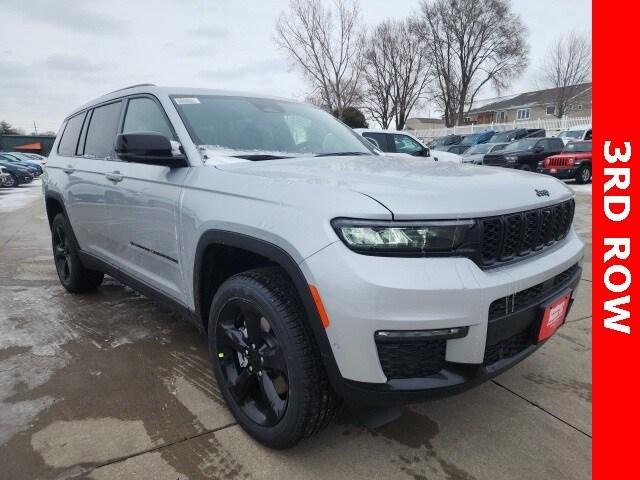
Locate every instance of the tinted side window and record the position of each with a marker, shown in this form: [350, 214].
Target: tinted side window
[144, 115]
[102, 130]
[381, 138]
[555, 144]
[69, 140]
[406, 144]
[587, 136]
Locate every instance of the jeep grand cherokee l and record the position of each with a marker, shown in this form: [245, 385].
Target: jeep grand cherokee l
[319, 271]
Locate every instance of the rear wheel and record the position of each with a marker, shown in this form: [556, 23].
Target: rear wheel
[72, 274]
[266, 361]
[583, 175]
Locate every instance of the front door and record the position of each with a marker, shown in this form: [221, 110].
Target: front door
[144, 207]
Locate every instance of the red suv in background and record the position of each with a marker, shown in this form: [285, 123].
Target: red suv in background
[573, 162]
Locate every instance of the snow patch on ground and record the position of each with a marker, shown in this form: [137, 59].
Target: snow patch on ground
[15, 198]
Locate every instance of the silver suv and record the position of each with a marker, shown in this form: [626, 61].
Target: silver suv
[320, 271]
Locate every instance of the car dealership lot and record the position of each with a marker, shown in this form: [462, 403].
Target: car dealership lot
[113, 385]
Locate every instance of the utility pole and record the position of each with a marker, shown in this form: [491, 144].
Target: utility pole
[35, 127]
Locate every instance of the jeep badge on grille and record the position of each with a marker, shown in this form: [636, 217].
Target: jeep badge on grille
[542, 193]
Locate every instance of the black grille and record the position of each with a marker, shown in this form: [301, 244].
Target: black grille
[411, 360]
[508, 347]
[516, 235]
[532, 295]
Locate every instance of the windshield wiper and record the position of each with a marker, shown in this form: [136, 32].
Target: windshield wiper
[341, 154]
[261, 156]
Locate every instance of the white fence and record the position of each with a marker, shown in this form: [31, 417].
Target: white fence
[551, 125]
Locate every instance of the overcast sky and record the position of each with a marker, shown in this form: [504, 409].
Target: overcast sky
[56, 55]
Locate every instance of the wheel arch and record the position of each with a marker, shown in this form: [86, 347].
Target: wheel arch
[54, 205]
[276, 256]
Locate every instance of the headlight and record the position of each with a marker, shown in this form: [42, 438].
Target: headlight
[402, 238]
[511, 159]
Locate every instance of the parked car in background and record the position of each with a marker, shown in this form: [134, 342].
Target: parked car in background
[30, 157]
[475, 154]
[35, 168]
[509, 136]
[470, 140]
[4, 177]
[442, 143]
[575, 134]
[17, 173]
[525, 154]
[401, 142]
[573, 162]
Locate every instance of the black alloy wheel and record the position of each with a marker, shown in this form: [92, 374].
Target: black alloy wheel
[61, 252]
[265, 358]
[252, 362]
[72, 273]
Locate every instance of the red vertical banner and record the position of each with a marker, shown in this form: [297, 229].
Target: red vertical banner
[616, 215]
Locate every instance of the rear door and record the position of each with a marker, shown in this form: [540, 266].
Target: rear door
[90, 188]
[144, 214]
[381, 138]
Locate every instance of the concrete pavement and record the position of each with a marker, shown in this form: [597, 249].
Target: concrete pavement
[112, 385]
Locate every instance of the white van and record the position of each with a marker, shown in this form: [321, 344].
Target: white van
[575, 134]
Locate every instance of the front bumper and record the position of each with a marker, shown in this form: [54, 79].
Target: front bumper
[364, 294]
[560, 172]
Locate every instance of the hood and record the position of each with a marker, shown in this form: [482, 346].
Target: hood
[412, 188]
[572, 155]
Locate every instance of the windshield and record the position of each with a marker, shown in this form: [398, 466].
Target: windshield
[265, 129]
[571, 134]
[503, 137]
[577, 147]
[526, 144]
[480, 148]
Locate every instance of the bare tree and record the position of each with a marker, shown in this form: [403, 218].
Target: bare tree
[473, 43]
[566, 66]
[396, 72]
[326, 43]
[378, 75]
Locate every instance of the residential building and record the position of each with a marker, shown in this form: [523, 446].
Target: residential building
[536, 105]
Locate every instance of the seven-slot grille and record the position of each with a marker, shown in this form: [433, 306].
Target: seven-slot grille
[558, 162]
[515, 235]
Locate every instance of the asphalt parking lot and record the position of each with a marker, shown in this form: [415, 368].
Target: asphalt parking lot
[112, 385]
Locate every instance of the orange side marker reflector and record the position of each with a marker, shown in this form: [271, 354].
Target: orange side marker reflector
[319, 306]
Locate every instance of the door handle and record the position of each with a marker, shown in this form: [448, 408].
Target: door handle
[69, 169]
[115, 177]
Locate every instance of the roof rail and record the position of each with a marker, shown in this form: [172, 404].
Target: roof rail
[134, 86]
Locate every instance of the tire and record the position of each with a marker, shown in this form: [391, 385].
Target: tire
[285, 361]
[11, 182]
[525, 168]
[72, 274]
[583, 175]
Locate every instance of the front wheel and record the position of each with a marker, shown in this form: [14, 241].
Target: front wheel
[583, 175]
[72, 274]
[11, 181]
[525, 168]
[266, 361]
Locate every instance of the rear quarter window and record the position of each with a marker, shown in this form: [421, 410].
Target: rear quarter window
[69, 140]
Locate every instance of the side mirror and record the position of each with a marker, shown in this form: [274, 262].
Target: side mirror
[149, 148]
[426, 152]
